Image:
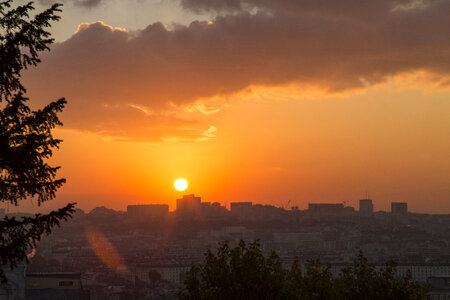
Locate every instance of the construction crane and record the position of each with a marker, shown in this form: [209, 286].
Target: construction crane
[287, 204]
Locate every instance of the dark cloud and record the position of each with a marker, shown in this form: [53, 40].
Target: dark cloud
[333, 45]
[348, 8]
[200, 6]
[84, 3]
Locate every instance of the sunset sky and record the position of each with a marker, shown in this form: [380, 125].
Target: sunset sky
[250, 100]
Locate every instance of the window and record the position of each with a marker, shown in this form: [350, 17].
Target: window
[66, 283]
[34, 284]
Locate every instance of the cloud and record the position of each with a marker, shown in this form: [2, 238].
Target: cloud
[335, 9]
[149, 83]
[198, 136]
[83, 3]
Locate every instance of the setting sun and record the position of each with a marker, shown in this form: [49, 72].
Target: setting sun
[180, 184]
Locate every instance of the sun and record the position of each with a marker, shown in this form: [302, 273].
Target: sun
[180, 184]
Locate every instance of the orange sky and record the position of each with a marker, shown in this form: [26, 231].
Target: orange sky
[294, 102]
[275, 146]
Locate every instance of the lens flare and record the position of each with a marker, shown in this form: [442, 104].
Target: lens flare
[105, 250]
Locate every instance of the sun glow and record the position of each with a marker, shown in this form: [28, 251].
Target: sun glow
[180, 184]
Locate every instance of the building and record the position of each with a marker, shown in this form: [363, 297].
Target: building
[365, 206]
[148, 212]
[189, 206]
[174, 273]
[14, 288]
[399, 208]
[326, 208]
[419, 272]
[218, 210]
[439, 287]
[61, 285]
[329, 208]
[241, 209]
[236, 233]
[213, 210]
[297, 239]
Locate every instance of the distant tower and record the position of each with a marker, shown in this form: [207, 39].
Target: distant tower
[399, 208]
[365, 206]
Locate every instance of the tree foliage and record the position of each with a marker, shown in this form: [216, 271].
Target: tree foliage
[239, 273]
[245, 273]
[26, 140]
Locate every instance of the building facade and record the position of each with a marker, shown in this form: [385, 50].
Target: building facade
[148, 212]
[189, 206]
[399, 208]
[365, 206]
[58, 285]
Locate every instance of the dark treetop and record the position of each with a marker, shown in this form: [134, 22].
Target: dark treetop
[245, 273]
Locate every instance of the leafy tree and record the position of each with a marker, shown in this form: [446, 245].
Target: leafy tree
[245, 273]
[363, 281]
[26, 139]
[316, 282]
[239, 273]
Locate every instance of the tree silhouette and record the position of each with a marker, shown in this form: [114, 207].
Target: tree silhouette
[363, 281]
[245, 273]
[26, 139]
[239, 273]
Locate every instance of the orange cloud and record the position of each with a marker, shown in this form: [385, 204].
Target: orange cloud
[85, 26]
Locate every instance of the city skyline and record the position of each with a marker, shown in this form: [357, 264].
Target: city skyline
[363, 206]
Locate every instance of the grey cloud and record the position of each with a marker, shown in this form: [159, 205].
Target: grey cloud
[200, 6]
[353, 8]
[83, 3]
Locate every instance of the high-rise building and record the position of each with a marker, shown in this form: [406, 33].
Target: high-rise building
[189, 205]
[399, 208]
[365, 206]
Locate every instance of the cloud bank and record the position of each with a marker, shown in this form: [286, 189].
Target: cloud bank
[134, 84]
